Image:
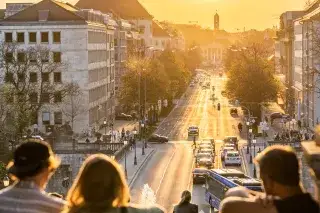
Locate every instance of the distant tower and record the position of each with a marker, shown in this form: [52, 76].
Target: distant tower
[216, 21]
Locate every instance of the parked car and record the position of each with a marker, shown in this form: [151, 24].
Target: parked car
[158, 138]
[232, 158]
[199, 175]
[275, 115]
[193, 131]
[225, 150]
[204, 162]
[205, 146]
[232, 139]
[123, 116]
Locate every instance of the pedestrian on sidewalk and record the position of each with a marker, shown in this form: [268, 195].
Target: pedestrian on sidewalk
[101, 187]
[32, 165]
[279, 171]
[185, 206]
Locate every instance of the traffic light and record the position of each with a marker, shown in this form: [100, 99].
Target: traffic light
[218, 107]
[66, 182]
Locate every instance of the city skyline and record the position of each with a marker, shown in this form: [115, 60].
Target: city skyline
[258, 16]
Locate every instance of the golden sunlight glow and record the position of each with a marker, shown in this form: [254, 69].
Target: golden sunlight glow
[234, 14]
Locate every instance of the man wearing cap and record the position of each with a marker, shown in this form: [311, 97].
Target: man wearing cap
[32, 165]
[279, 172]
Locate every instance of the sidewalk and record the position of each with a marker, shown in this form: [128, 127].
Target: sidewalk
[133, 170]
[246, 165]
[118, 126]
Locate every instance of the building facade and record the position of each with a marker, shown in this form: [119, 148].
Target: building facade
[297, 56]
[83, 41]
[284, 57]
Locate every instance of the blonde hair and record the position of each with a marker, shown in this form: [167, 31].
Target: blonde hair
[99, 185]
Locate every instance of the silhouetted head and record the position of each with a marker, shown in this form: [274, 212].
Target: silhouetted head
[185, 197]
[279, 169]
[100, 184]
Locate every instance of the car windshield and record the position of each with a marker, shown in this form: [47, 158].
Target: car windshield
[204, 155]
[232, 154]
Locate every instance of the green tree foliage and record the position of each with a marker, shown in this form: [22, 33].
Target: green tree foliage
[150, 72]
[250, 76]
[175, 67]
[166, 76]
[3, 171]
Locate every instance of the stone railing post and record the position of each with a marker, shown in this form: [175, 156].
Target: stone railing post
[311, 150]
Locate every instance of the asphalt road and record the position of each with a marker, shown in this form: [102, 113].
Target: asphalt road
[169, 170]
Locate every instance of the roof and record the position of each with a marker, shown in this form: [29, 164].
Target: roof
[158, 31]
[126, 9]
[58, 11]
[2, 11]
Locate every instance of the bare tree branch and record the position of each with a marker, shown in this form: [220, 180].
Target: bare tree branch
[29, 83]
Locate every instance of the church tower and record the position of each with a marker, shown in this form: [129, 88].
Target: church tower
[216, 21]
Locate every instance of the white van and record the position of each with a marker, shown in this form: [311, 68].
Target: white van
[232, 158]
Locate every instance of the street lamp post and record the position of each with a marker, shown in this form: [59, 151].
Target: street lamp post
[250, 131]
[248, 125]
[6, 181]
[105, 127]
[142, 133]
[254, 153]
[135, 146]
[125, 158]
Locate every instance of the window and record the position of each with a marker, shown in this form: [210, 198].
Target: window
[57, 117]
[44, 37]
[56, 37]
[33, 57]
[57, 97]
[8, 37]
[33, 77]
[33, 97]
[115, 42]
[34, 118]
[20, 37]
[141, 29]
[33, 37]
[45, 77]
[8, 77]
[57, 77]
[45, 97]
[45, 57]
[57, 57]
[46, 118]
[21, 57]
[21, 77]
[9, 57]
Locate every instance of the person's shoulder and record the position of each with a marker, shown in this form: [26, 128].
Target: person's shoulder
[143, 209]
[245, 205]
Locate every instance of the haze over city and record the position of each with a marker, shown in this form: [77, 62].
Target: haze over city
[235, 14]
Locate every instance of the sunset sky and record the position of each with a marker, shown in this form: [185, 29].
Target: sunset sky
[251, 14]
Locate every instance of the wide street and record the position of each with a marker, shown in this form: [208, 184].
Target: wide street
[169, 170]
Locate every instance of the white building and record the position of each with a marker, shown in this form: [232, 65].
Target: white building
[306, 67]
[131, 10]
[83, 40]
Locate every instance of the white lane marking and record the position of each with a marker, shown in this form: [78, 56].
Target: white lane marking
[165, 170]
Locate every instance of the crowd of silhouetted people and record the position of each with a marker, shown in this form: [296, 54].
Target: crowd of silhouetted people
[101, 187]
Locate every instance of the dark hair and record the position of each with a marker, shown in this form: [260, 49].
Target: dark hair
[185, 197]
[42, 165]
[99, 185]
[280, 164]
